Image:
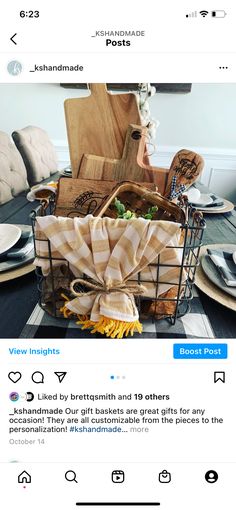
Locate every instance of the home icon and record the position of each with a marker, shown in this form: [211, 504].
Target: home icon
[24, 477]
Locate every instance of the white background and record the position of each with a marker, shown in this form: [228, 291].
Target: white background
[68, 27]
[187, 452]
[199, 47]
[189, 383]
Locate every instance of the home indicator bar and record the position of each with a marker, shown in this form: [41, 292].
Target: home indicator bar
[119, 504]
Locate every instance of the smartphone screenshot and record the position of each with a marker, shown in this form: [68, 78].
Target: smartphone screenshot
[117, 255]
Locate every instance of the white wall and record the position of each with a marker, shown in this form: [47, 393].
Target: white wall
[205, 117]
[40, 105]
[203, 120]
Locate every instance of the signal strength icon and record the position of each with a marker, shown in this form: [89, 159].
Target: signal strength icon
[204, 13]
[192, 14]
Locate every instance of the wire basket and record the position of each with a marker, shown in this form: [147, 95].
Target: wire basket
[176, 302]
[169, 305]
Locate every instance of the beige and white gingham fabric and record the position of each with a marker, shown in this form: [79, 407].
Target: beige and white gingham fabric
[111, 252]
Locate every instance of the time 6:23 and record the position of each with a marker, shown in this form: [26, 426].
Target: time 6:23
[29, 14]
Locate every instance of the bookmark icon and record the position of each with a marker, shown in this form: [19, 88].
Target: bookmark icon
[219, 376]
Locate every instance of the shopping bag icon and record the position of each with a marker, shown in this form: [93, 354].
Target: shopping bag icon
[164, 476]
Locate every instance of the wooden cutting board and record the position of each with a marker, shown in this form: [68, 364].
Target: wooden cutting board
[130, 166]
[97, 124]
[79, 197]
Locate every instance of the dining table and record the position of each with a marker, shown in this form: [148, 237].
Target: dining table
[22, 317]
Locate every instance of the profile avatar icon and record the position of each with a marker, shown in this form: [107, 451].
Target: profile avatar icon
[14, 68]
[211, 476]
[14, 396]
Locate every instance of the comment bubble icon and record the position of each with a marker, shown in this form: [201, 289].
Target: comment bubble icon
[37, 377]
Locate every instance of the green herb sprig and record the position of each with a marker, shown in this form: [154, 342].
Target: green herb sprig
[128, 215]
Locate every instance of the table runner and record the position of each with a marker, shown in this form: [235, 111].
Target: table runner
[195, 325]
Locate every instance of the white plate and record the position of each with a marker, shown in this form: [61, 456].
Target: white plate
[215, 208]
[204, 200]
[9, 235]
[67, 172]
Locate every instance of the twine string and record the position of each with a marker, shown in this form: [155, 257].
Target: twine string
[135, 290]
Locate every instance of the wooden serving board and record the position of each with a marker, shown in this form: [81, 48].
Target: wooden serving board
[79, 197]
[130, 166]
[97, 124]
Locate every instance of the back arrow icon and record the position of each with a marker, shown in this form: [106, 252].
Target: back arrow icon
[12, 39]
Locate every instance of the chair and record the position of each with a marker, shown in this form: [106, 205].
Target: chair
[13, 177]
[38, 153]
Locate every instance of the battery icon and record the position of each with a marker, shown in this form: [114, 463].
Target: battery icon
[218, 14]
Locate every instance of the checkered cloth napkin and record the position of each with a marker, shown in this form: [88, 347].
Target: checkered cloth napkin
[111, 253]
[225, 265]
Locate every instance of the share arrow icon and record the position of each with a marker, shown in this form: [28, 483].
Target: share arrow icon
[60, 375]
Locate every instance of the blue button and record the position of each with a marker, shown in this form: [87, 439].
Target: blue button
[200, 351]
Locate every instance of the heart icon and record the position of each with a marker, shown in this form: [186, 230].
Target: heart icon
[14, 376]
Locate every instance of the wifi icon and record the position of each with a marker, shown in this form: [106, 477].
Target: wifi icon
[204, 13]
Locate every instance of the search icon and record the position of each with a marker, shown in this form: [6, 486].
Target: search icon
[70, 476]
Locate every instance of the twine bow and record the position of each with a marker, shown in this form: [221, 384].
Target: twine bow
[135, 290]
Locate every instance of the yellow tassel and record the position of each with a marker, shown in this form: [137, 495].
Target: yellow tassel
[65, 297]
[66, 312]
[111, 328]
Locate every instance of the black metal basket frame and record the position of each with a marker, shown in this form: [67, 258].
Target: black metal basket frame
[192, 234]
